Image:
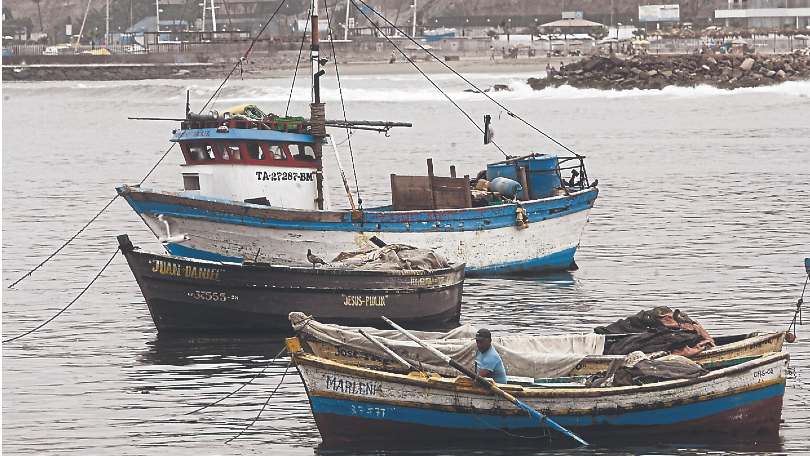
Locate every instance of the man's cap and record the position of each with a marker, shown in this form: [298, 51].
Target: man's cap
[483, 333]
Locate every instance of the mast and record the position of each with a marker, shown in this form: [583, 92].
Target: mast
[213, 17]
[317, 109]
[413, 26]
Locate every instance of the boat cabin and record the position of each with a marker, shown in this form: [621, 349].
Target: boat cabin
[249, 161]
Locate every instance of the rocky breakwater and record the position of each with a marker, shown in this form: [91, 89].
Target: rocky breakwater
[727, 71]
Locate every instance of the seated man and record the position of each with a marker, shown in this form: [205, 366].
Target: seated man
[488, 362]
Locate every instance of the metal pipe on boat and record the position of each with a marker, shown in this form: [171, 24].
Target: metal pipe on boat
[490, 385]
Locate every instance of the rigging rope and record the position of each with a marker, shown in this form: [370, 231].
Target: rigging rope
[93, 219]
[298, 62]
[377, 27]
[470, 83]
[286, 369]
[87, 287]
[343, 106]
[243, 58]
[269, 363]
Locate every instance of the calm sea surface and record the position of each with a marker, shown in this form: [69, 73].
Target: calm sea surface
[703, 206]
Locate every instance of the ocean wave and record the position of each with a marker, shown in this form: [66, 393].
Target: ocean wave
[402, 89]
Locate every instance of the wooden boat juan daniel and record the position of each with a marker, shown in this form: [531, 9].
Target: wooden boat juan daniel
[185, 294]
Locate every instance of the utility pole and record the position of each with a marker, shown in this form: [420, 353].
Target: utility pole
[413, 26]
[346, 29]
[107, 28]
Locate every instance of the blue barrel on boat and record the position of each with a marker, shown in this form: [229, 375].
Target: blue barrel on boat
[541, 175]
[507, 170]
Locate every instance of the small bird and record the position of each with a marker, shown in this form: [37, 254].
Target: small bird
[313, 259]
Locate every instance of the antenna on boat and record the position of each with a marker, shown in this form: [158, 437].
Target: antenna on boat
[317, 109]
[188, 102]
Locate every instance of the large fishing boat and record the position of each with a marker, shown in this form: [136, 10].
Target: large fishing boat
[254, 187]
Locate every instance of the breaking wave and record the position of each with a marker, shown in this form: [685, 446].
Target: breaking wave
[371, 88]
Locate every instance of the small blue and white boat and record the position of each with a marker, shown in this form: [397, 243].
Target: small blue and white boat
[253, 188]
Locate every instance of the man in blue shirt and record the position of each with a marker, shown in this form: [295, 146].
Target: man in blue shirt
[488, 362]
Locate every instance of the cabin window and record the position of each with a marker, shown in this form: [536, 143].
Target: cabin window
[201, 151]
[191, 181]
[277, 152]
[231, 152]
[302, 152]
[255, 151]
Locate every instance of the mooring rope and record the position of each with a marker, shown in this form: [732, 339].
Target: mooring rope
[286, 369]
[93, 219]
[797, 314]
[470, 83]
[436, 86]
[269, 363]
[343, 106]
[87, 287]
[244, 57]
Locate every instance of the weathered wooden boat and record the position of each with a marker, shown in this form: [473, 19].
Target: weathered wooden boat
[346, 346]
[185, 294]
[254, 187]
[359, 406]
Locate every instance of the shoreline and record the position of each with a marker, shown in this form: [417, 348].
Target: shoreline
[262, 68]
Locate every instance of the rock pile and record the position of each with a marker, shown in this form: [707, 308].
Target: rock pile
[727, 71]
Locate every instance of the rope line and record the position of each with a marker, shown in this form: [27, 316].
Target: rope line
[298, 62]
[377, 27]
[93, 219]
[269, 363]
[470, 83]
[343, 106]
[797, 314]
[244, 57]
[69, 304]
[263, 406]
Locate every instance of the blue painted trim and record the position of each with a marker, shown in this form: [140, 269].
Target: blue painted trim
[479, 421]
[453, 220]
[552, 262]
[241, 134]
[188, 252]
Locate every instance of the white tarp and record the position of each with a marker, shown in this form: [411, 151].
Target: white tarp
[523, 356]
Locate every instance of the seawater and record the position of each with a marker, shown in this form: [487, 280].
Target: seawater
[703, 206]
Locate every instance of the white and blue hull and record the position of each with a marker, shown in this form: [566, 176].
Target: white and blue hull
[488, 239]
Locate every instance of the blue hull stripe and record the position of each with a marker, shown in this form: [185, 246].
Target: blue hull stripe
[188, 252]
[455, 221]
[443, 419]
[553, 262]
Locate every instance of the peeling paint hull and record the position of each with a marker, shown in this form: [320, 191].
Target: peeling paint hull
[355, 406]
[487, 239]
[186, 295]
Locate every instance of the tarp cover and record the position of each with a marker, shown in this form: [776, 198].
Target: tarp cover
[391, 257]
[523, 356]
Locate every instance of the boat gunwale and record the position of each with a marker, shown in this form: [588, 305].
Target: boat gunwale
[456, 268]
[451, 384]
[328, 215]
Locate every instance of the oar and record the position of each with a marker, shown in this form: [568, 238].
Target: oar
[492, 386]
[390, 352]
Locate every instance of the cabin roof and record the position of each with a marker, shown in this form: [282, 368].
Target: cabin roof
[240, 134]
